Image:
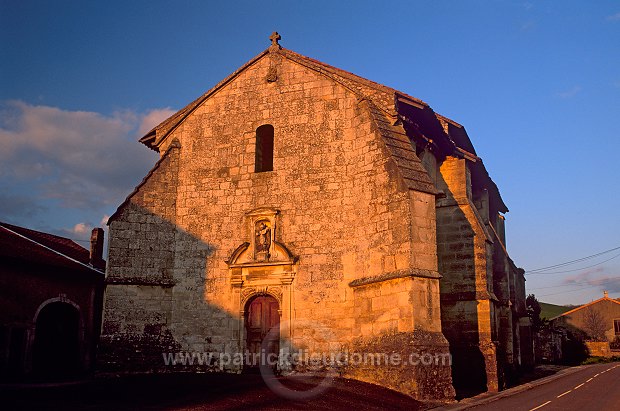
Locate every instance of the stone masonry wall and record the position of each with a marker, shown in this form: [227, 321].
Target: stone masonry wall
[343, 211]
[464, 252]
[340, 212]
[138, 300]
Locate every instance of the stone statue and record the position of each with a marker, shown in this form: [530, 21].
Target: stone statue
[263, 237]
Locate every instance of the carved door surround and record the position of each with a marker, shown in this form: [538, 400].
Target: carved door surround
[262, 266]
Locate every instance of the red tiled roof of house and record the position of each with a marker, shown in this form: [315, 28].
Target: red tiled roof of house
[20, 243]
[581, 307]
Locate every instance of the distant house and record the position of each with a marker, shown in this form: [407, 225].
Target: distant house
[51, 293]
[598, 320]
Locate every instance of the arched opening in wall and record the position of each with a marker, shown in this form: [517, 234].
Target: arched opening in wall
[469, 376]
[262, 326]
[56, 350]
[264, 149]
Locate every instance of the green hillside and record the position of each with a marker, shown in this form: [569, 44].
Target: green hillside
[552, 310]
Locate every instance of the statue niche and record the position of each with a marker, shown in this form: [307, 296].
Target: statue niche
[262, 260]
[261, 267]
[262, 240]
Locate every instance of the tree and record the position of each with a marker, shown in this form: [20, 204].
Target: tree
[533, 311]
[594, 325]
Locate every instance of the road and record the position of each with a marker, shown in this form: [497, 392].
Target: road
[595, 387]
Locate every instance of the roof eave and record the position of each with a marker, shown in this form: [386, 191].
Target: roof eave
[51, 249]
[149, 140]
[584, 306]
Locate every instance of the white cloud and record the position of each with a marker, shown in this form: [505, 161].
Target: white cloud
[587, 278]
[613, 17]
[570, 92]
[85, 160]
[152, 119]
[528, 25]
[82, 229]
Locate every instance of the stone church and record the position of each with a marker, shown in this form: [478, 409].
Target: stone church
[335, 214]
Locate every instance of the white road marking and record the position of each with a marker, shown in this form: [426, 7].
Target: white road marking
[580, 385]
[540, 406]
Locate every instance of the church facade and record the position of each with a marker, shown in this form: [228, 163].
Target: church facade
[303, 206]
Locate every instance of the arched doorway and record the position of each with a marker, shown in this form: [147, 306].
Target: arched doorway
[56, 350]
[262, 325]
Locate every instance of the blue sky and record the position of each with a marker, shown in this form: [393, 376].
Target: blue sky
[536, 84]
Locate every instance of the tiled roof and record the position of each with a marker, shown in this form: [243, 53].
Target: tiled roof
[586, 305]
[381, 95]
[19, 243]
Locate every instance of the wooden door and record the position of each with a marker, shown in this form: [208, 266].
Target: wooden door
[262, 316]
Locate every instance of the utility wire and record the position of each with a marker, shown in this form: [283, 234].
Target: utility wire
[537, 270]
[576, 269]
[571, 291]
[604, 282]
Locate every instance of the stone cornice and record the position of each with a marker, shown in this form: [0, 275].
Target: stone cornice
[480, 295]
[393, 275]
[158, 282]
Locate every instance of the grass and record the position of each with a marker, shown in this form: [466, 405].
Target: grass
[600, 360]
[551, 310]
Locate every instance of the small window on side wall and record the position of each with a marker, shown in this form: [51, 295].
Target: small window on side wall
[617, 327]
[264, 149]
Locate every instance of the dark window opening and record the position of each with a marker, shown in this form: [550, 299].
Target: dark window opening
[264, 149]
[617, 327]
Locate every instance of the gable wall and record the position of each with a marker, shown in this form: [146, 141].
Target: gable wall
[343, 210]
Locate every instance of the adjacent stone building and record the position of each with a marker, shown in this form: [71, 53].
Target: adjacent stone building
[51, 295]
[299, 201]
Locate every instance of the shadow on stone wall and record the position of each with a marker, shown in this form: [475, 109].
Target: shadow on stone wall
[459, 306]
[155, 283]
[157, 318]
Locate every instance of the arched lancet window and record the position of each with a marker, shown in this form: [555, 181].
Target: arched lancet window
[264, 149]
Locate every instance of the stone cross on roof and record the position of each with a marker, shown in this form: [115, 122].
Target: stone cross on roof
[274, 39]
